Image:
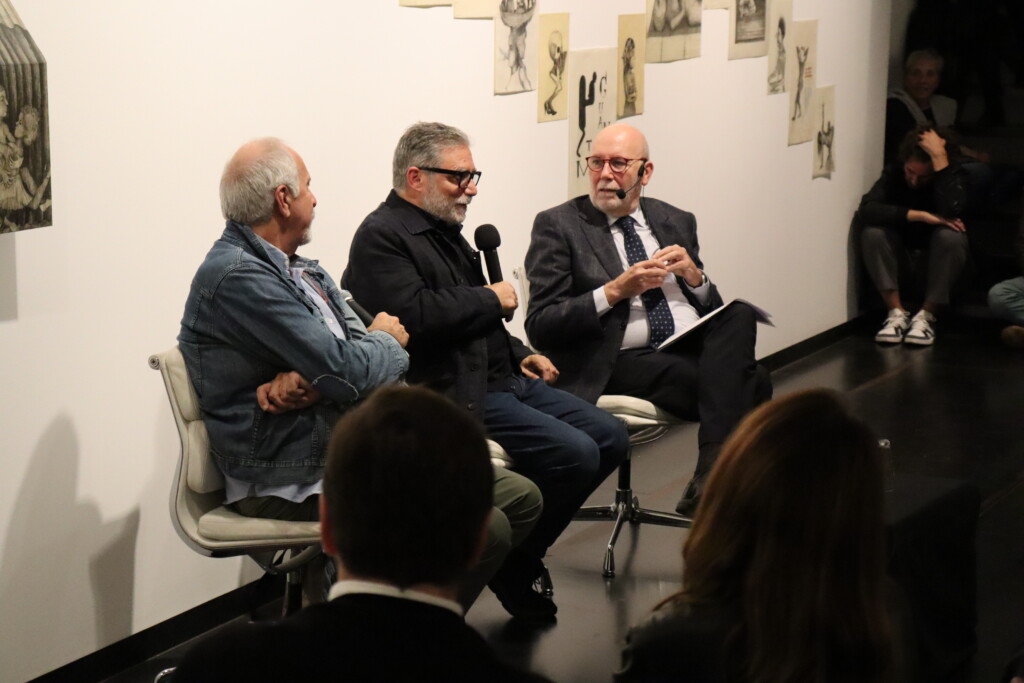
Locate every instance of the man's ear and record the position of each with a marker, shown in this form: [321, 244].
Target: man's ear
[415, 179]
[326, 530]
[283, 200]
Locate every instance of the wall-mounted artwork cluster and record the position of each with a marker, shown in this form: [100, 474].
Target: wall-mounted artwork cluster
[594, 88]
[24, 131]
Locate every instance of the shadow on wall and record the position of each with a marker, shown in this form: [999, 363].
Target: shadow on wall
[8, 279]
[61, 566]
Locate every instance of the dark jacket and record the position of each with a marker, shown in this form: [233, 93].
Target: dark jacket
[400, 262]
[355, 638]
[887, 202]
[571, 254]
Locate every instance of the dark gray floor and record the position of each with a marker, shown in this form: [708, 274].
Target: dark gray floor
[953, 411]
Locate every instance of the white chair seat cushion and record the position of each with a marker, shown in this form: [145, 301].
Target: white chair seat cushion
[222, 524]
[635, 412]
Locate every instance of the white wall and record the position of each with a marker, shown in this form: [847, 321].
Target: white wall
[147, 101]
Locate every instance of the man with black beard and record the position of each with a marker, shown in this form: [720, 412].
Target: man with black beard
[409, 257]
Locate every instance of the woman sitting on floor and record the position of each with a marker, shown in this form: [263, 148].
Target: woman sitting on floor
[784, 576]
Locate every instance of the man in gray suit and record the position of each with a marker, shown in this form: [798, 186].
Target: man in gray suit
[612, 276]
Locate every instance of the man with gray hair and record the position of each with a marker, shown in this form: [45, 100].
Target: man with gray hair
[276, 355]
[409, 257]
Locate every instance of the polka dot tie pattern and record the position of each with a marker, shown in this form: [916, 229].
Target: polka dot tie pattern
[659, 317]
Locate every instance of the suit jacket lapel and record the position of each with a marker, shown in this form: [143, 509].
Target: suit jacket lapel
[599, 235]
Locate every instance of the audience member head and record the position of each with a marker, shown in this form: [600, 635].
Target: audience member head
[621, 145]
[433, 169]
[917, 163]
[790, 532]
[407, 490]
[921, 75]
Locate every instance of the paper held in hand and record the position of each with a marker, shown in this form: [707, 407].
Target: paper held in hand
[762, 316]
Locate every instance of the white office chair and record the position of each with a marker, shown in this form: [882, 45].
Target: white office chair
[197, 511]
[645, 423]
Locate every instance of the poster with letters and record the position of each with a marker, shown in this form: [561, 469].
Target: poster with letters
[592, 97]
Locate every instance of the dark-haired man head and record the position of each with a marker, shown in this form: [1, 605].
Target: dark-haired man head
[407, 493]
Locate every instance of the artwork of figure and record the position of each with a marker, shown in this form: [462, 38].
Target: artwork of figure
[673, 30]
[551, 93]
[802, 40]
[780, 16]
[631, 70]
[515, 47]
[747, 36]
[718, 4]
[592, 77]
[824, 109]
[25, 198]
[629, 91]
[777, 78]
[802, 51]
[474, 9]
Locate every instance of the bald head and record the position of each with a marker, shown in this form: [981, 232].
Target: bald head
[620, 141]
[252, 176]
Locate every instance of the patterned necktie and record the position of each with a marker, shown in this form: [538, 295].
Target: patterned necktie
[659, 317]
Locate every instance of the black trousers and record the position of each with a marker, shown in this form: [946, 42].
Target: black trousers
[710, 376]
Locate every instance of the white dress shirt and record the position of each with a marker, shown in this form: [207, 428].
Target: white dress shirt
[638, 332]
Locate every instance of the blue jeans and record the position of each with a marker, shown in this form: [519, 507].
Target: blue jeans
[563, 444]
[1006, 299]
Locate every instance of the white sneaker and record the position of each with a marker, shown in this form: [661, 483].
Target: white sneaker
[895, 327]
[921, 332]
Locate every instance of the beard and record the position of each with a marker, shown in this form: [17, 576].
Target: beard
[449, 209]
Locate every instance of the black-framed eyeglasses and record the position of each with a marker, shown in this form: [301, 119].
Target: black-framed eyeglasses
[462, 178]
[618, 164]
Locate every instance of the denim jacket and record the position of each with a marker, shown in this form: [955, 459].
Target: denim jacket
[245, 321]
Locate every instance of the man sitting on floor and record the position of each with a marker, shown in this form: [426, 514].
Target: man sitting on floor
[406, 496]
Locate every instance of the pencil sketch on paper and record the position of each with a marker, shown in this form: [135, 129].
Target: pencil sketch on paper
[25, 198]
[824, 110]
[748, 37]
[718, 4]
[592, 107]
[632, 53]
[515, 47]
[780, 16]
[673, 30]
[800, 64]
[552, 98]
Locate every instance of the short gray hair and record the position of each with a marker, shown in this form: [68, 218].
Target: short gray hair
[421, 145]
[927, 55]
[248, 183]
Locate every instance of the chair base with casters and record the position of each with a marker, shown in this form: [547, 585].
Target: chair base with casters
[279, 547]
[645, 423]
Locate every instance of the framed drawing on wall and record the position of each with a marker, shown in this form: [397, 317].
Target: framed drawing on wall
[24, 128]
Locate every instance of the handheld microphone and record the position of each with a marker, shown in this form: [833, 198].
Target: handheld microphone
[360, 312]
[487, 241]
[621, 194]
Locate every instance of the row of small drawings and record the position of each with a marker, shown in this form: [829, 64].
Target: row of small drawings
[531, 53]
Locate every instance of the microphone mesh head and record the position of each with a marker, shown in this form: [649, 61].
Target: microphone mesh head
[487, 237]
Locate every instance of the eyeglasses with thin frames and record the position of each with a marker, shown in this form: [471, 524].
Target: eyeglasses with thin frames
[618, 164]
[462, 178]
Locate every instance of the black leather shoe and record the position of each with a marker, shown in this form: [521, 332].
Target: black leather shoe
[514, 587]
[687, 505]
